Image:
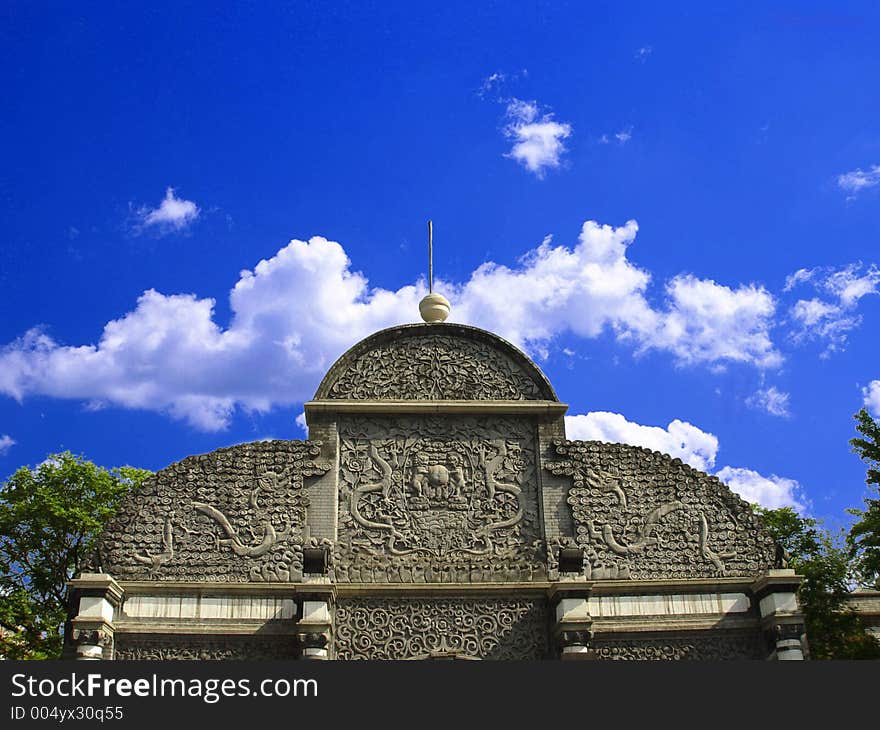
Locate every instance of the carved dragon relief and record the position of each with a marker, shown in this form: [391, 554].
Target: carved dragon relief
[225, 517]
[155, 562]
[270, 536]
[450, 492]
[641, 514]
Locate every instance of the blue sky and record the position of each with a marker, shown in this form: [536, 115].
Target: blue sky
[674, 209]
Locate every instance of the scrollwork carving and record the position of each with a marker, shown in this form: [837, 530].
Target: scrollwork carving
[449, 362]
[705, 647]
[193, 647]
[373, 628]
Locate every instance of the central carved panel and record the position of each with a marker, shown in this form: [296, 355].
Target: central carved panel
[478, 628]
[438, 499]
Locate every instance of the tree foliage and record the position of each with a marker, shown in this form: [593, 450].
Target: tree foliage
[864, 536]
[834, 630]
[50, 517]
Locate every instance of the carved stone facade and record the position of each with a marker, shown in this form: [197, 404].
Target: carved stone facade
[234, 515]
[422, 362]
[438, 500]
[699, 646]
[199, 647]
[436, 511]
[388, 628]
[642, 515]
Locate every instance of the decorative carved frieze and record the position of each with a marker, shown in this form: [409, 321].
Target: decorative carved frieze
[233, 515]
[390, 628]
[434, 362]
[643, 515]
[431, 499]
[186, 646]
[696, 646]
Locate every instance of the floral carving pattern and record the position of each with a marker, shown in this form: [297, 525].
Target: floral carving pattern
[233, 515]
[643, 515]
[199, 647]
[387, 628]
[434, 367]
[437, 500]
[712, 647]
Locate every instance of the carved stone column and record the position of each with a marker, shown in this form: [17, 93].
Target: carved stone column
[315, 627]
[96, 596]
[573, 633]
[781, 618]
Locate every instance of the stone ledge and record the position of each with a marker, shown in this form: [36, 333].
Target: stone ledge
[206, 588]
[640, 625]
[467, 407]
[203, 628]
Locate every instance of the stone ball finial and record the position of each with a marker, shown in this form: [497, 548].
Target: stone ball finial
[434, 308]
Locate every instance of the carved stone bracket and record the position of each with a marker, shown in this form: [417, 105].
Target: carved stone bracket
[574, 624]
[781, 617]
[95, 599]
[314, 629]
[93, 643]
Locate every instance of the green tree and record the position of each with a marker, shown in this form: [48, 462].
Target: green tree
[834, 630]
[864, 536]
[50, 517]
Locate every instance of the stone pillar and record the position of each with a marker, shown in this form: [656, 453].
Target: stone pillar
[96, 596]
[781, 618]
[573, 632]
[315, 627]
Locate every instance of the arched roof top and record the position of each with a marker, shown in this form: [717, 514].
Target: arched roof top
[439, 361]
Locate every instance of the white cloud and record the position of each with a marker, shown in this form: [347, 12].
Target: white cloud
[772, 400]
[679, 439]
[850, 285]
[293, 315]
[593, 288]
[872, 397]
[798, 277]
[710, 322]
[831, 320]
[770, 492]
[537, 139]
[301, 422]
[173, 214]
[643, 53]
[6, 443]
[693, 446]
[299, 310]
[491, 82]
[624, 135]
[857, 180]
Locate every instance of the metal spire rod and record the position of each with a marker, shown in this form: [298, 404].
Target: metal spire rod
[430, 258]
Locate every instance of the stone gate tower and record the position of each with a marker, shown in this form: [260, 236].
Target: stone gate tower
[436, 510]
